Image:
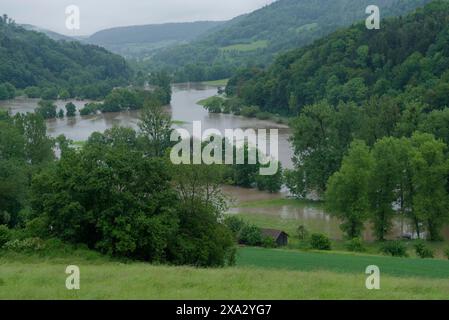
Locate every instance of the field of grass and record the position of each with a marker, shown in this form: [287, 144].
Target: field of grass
[244, 47]
[44, 278]
[342, 262]
[218, 83]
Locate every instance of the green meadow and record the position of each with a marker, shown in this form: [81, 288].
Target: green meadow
[259, 274]
[244, 47]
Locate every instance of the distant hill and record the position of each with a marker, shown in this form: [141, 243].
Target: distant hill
[32, 59]
[51, 34]
[256, 38]
[140, 41]
[408, 59]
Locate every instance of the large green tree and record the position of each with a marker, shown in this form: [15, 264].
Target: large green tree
[347, 192]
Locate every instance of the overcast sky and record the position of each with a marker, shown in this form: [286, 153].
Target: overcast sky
[101, 14]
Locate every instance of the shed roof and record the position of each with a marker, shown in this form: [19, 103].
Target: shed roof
[273, 233]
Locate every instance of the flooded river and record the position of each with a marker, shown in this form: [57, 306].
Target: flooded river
[184, 109]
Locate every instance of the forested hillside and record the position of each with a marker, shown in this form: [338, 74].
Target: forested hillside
[47, 68]
[140, 41]
[407, 56]
[256, 38]
[371, 119]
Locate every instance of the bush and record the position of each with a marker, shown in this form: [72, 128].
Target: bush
[5, 235]
[423, 251]
[71, 109]
[320, 241]
[263, 115]
[90, 108]
[269, 242]
[33, 92]
[251, 236]
[355, 245]
[302, 232]
[47, 109]
[235, 224]
[394, 248]
[249, 112]
[28, 244]
[446, 252]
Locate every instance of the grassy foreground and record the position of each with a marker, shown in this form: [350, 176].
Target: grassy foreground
[44, 278]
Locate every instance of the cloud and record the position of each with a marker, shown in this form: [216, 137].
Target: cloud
[101, 14]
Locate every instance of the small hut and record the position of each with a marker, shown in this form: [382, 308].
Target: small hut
[280, 237]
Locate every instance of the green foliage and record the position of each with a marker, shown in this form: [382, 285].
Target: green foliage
[213, 104]
[32, 60]
[47, 109]
[131, 205]
[394, 248]
[70, 110]
[235, 224]
[90, 108]
[33, 92]
[302, 232]
[446, 252]
[320, 241]
[251, 235]
[25, 245]
[354, 65]
[249, 111]
[270, 183]
[7, 91]
[268, 242]
[5, 235]
[156, 127]
[346, 196]
[423, 251]
[355, 245]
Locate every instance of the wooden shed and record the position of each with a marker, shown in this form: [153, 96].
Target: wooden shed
[279, 236]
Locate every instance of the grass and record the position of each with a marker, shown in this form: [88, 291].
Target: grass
[218, 83]
[245, 47]
[342, 263]
[278, 202]
[39, 278]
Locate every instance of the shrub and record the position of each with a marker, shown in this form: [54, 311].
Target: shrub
[269, 242]
[249, 112]
[394, 248]
[235, 224]
[320, 241]
[446, 252]
[5, 235]
[71, 109]
[423, 251]
[28, 244]
[90, 108]
[302, 232]
[263, 115]
[47, 109]
[32, 92]
[355, 245]
[251, 235]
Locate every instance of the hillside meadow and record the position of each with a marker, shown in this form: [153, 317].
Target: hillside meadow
[259, 274]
